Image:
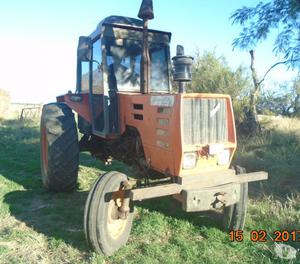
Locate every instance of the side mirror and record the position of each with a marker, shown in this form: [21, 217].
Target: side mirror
[84, 52]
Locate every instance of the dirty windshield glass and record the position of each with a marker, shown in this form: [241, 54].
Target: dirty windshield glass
[123, 63]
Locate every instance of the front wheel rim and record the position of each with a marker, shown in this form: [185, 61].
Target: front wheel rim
[115, 225]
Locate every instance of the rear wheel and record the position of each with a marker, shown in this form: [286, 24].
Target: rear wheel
[105, 230]
[234, 216]
[59, 148]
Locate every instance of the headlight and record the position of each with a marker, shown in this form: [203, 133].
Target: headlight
[189, 160]
[223, 157]
[214, 149]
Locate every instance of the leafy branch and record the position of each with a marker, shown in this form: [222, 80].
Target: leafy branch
[276, 64]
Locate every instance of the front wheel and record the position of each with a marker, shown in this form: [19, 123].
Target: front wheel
[105, 230]
[234, 216]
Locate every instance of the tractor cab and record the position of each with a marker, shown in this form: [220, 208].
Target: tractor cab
[109, 62]
[124, 87]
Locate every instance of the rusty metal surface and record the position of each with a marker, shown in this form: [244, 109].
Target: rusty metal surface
[145, 13]
[212, 198]
[199, 183]
[145, 63]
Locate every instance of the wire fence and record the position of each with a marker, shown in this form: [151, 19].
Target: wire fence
[30, 112]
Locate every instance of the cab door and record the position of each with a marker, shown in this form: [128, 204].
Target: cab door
[97, 90]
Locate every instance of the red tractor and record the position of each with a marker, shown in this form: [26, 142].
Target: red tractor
[180, 144]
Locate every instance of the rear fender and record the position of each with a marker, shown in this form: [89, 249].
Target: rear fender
[79, 103]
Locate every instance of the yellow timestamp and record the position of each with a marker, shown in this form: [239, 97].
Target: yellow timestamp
[264, 236]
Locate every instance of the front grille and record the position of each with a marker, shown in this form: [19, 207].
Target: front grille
[204, 121]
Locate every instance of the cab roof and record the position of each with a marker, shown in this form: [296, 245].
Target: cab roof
[123, 22]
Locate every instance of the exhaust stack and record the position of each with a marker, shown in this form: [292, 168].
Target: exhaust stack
[145, 13]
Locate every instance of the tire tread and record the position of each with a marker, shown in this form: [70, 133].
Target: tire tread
[63, 149]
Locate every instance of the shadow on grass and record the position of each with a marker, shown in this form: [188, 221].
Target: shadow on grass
[171, 208]
[60, 216]
[19, 153]
[88, 161]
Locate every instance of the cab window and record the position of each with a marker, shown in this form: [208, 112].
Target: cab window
[123, 60]
[85, 76]
[97, 72]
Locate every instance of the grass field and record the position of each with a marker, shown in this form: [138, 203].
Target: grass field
[40, 227]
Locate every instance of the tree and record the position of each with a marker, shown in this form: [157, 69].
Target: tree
[258, 22]
[296, 89]
[212, 74]
[255, 93]
[284, 101]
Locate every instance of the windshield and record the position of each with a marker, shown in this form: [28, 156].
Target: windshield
[123, 58]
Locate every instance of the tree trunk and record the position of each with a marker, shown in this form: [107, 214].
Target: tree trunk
[252, 119]
[297, 105]
[296, 88]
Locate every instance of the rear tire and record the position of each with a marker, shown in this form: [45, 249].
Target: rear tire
[234, 216]
[105, 233]
[59, 148]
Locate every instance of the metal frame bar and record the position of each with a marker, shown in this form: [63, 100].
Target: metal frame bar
[176, 188]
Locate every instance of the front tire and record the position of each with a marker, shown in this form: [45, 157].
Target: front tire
[234, 216]
[59, 148]
[104, 230]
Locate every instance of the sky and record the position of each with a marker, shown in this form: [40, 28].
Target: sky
[39, 39]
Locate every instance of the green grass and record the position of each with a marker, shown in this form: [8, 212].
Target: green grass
[40, 227]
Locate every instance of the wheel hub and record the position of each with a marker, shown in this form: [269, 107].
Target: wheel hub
[115, 224]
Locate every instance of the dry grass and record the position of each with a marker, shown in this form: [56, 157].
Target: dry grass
[14, 111]
[280, 123]
[4, 103]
